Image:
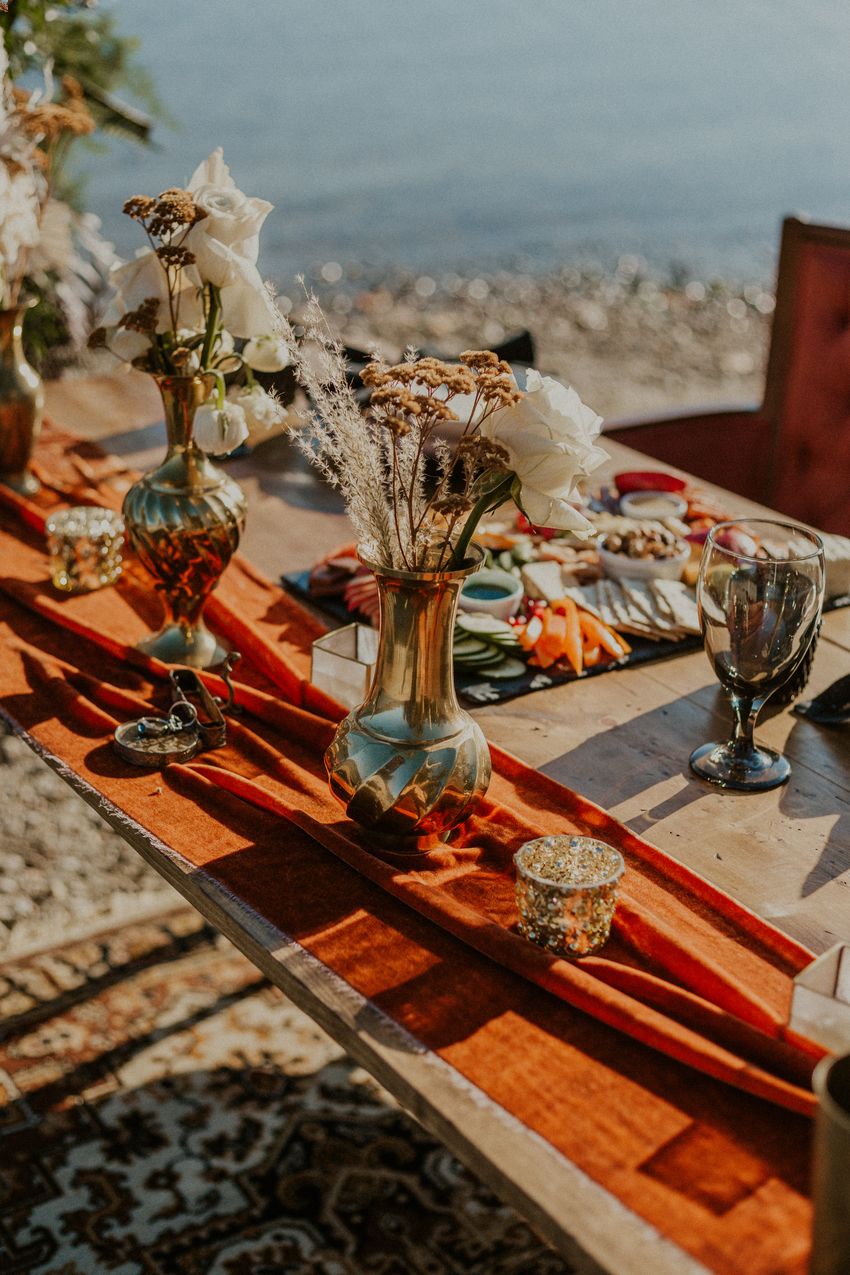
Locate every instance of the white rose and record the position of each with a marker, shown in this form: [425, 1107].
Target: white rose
[220, 430]
[262, 412]
[247, 307]
[549, 436]
[267, 353]
[142, 277]
[230, 230]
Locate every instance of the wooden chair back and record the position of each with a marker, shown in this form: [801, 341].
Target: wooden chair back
[807, 388]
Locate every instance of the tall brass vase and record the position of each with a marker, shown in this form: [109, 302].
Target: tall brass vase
[409, 764]
[184, 520]
[21, 404]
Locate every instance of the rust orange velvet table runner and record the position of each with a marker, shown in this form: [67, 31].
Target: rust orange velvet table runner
[675, 1085]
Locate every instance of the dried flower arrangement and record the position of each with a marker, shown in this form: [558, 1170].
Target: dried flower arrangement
[529, 446]
[35, 133]
[182, 303]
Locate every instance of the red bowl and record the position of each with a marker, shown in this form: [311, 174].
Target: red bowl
[644, 480]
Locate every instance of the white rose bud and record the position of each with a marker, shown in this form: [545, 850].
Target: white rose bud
[266, 354]
[220, 430]
[261, 411]
[549, 436]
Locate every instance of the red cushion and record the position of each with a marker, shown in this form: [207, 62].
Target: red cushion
[726, 448]
[813, 470]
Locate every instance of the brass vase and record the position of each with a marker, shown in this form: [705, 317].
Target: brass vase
[409, 764]
[183, 520]
[21, 404]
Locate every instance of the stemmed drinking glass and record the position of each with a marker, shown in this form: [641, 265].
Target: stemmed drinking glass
[760, 592]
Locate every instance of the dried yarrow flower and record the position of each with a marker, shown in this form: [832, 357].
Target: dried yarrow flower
[452, 505]
[143, 318]
[174, 257]
[375, 374]
[174, 209]
[483, 452]
[479, 358]
[398, 426]
[139, 207]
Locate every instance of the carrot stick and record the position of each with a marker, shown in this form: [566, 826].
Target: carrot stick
[551, 645]
[531, 633]
[594, 630]
[573, 645]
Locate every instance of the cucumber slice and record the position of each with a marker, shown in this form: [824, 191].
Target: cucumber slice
[485, 626]
[506, 669]
[491, 656]
[498, 639]
[466, 645]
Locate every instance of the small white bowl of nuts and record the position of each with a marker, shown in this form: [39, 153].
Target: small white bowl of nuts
[643, 554]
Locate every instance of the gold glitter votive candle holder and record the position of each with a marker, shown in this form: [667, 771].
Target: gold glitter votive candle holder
[566, 892]
[85, 545]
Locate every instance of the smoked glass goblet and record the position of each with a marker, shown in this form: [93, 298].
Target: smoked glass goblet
[759, 593]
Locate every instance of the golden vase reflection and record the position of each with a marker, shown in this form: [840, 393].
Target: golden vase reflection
[21, 404]
[184, 520]
[409, 764]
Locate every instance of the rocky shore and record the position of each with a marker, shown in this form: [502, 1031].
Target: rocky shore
[628, 341]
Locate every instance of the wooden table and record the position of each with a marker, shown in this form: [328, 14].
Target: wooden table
[622, 739]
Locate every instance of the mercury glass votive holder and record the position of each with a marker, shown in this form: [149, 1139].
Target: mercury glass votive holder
[342, 663]
[566, 892]
[85, 545]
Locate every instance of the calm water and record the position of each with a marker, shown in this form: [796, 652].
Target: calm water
[463, 133]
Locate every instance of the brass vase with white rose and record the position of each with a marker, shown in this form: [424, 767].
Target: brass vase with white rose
[409, 764]
[21, 404]
[184, 520]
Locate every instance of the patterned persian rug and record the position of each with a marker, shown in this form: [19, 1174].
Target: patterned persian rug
[164, 1111]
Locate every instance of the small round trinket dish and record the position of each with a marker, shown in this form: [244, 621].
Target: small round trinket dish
[153, 742]
[566, 892]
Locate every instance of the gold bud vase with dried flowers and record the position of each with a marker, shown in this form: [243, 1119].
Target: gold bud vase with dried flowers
[33, 133]
[409, 764]
[178, 310]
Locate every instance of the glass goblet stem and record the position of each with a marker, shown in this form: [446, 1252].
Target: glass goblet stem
[745, 710]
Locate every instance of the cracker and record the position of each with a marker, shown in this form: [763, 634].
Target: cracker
[681, 602]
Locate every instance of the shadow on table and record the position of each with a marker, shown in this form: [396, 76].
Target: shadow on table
[664, 738]
[280, 469]
[803, 799]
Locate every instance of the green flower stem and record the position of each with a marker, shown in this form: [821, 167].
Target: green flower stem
[490, 499]
[220, 389]
[213, 316]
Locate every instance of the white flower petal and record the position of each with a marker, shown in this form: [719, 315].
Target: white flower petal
[549, 511]
[267, 353]
[219, 430]
[261, 411]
